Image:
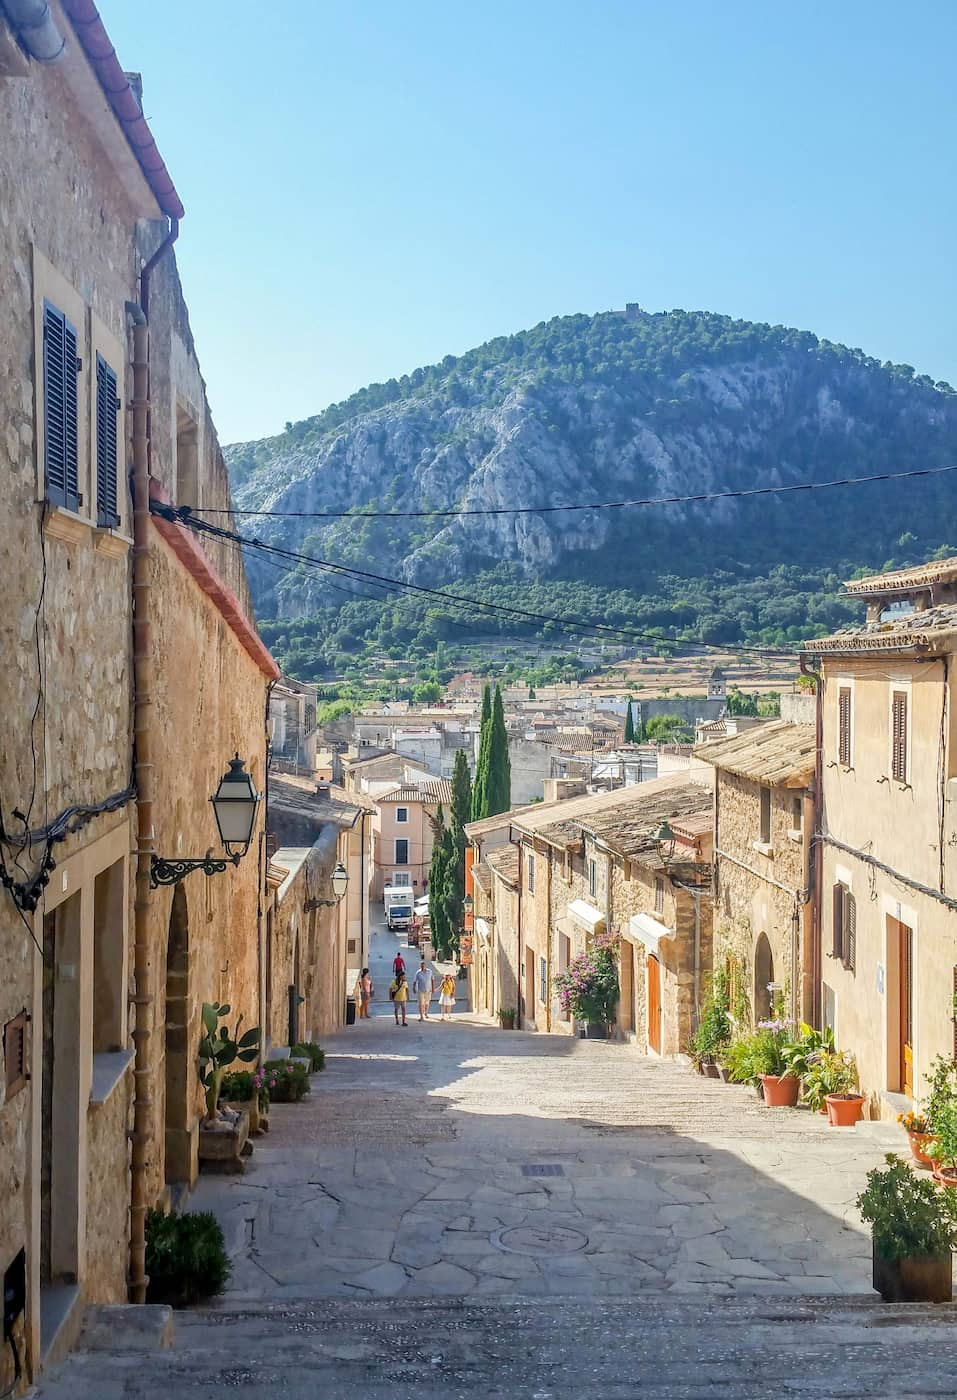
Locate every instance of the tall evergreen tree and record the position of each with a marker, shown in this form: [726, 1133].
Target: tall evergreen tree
[438, 908]
[499, 797]
[629, 725]
[461, 813]
[480, 786]
[461, 793]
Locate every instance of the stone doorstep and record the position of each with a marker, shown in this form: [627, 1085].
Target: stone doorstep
[128, 1327]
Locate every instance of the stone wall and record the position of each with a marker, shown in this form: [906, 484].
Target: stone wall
[750, 903]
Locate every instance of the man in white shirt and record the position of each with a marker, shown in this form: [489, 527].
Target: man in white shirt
[424, 985]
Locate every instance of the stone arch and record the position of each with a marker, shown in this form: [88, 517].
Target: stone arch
[763, 974]
[179, 1069]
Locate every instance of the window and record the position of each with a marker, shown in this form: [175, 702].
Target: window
[844, 932]
[107, 410]
[659, 895]
[844, 746]
[797, 813]
[899, 756]
[543, 980]
[531, 874]
[592, 877]
[401, 879]
[402, 851]
[765, 837]
[61, 468]
[402, 815]
[16, 1073]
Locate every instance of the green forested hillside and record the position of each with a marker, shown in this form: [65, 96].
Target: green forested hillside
[592, 408]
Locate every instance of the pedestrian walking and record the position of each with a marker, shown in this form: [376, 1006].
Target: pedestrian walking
[447, 996]
[424, 986]
[366, 993]
[399, 995]
[398, 964]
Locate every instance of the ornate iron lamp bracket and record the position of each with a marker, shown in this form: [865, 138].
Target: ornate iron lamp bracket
[170, 872]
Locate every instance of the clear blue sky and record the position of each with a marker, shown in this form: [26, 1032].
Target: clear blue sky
[373, 184]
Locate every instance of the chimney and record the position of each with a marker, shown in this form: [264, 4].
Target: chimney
[322, 789]
[135, 81]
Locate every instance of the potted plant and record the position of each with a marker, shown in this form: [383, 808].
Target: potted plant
[772, 1041]
[223, 1132]
[243, 1090]
[713, 1035]
[589, 987]
[506, 1018]
[913, 1234]
[186, 1258]
[286, 1080]
[918, 1132]
[837, 1076]
[803, 1052]
[943, 1146]
[309, 1050]
[739, 1062]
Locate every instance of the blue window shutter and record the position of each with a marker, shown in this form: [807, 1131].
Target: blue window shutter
[60, 428]
[107, 408]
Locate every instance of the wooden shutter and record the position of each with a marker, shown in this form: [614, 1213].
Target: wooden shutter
[107, 409]
[849, 930]
[899, 736]
[60, 370]
[844, 726]
[16, 1073]
[837, 931]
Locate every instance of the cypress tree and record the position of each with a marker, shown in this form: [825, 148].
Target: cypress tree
[499, 797]
[461, 811]
[438, 919]
[629, 725]
[480, 786]
[453, 875]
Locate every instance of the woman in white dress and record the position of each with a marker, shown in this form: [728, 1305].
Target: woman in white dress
[447, 997]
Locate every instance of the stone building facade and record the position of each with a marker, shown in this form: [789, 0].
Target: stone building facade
[99, 382]
[764, 819]
[888, 831]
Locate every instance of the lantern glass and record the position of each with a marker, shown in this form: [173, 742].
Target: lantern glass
[235, 806]
[340, 880]
[468, 904]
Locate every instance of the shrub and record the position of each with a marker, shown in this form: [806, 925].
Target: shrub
[186, 1258]
[286, 1081]
[764, 1051]
[830, 1072]
[943, 1089]
[943, 1149]
[309, 1050]
[239, 1086]
[910, 1217]
[589, 988]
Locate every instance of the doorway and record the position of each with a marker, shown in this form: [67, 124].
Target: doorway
[60, 1096]
[626, 1003]
[905, 1000]
[530, 983]
[763, 975]
[654, 1004]
[179, 1073]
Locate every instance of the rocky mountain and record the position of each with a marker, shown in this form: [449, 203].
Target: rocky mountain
[606, 407]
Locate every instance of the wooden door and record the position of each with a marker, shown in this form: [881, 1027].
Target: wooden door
[906, 966]
[654, 1004]
[626, 999]
[530, 983]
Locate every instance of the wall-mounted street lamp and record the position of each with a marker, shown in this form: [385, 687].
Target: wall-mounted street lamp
[235, 802]
[665, 838]
[340, 882]
[468, 904]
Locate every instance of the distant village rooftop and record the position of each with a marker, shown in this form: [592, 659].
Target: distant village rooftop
[780, 754]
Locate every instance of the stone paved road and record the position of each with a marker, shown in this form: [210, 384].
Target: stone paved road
[462, 1161]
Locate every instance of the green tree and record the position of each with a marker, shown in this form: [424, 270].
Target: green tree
[629, 724]
[480, 786]
[499, 797]
[741, 704]
[427, 693]
[666, 729]
[441, 929]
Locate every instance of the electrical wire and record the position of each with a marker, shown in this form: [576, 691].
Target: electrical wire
[186, 517]
[695, 499]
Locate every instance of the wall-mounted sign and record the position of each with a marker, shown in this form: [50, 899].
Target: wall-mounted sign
[465, 950]
[880, 979]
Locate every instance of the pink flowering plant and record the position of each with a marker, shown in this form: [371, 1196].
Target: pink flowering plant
[588, 989]
[286, 1081]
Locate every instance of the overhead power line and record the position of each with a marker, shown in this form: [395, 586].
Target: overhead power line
[695, 499]
[184, 516]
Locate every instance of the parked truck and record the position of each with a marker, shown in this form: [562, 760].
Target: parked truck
[398, 907]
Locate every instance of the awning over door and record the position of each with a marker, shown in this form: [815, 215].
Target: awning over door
[586, 915]
[647, 931]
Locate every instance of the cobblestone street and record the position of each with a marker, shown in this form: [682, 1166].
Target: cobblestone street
[461, 1210]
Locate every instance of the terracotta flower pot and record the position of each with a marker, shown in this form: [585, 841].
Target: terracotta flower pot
[780, 1090]
[946, 1176]
[724, 1073]
[922, 1280]
[711, 1070]
[918, 1141]
[844, 1110]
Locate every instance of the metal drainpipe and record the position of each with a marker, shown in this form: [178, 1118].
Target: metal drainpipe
[36, 29]
[696, 1009]
[143, 999]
